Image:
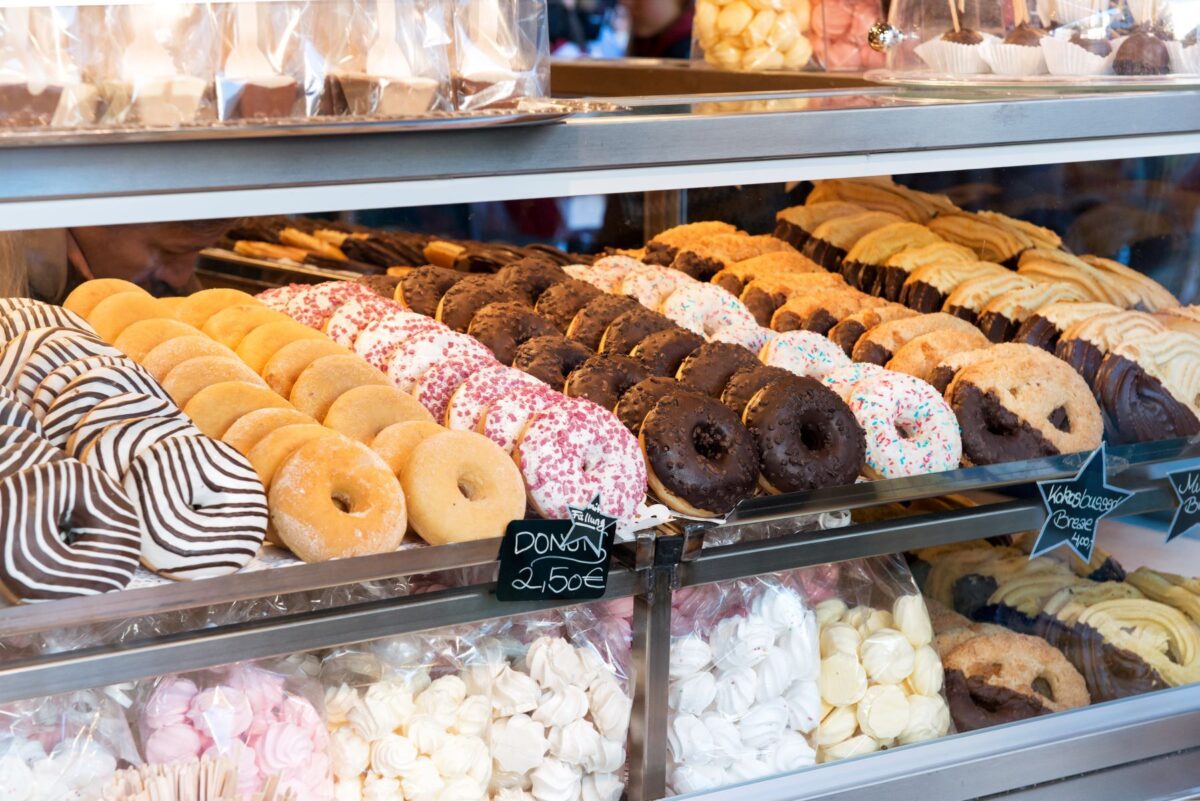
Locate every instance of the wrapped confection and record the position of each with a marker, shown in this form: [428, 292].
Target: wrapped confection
[261, 66]
[40, 76]
[500, 51]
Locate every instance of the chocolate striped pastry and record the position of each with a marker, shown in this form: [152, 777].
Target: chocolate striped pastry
[895, 271]
[821, 310]
[48, 348]
[14, 413]
[72, 532]
[882, 194]
[795, 225]
[968, 298]
[115, 447]
[926, 288]
[734, 277]
[991, 239]
[11, 304]
[878, 345]
[832, 240]
[712, 254]
[763, 296]
[848, 330]
[86, 391]
[119, 409]
[1149, 387]
[22, 448]
[1045, 326]
[202, 508]
[861, 266]
[1085, 344]
[1000, 318]
[663, 247]
[41, 315]
[948, 368]
[57, 379]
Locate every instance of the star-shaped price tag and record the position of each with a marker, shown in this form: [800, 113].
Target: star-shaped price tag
[557, 559]
[1186, 484]
[1076, 505]
[591, 517]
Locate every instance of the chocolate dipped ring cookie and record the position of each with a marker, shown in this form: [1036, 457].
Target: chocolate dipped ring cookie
[663, 248]
[866, 259]
[832, 239]
[590, 323]
[710, 366]
[664, 351]
[463, 301]
[604, 379]
[421, 289]
[951, 365]
[1149, 388]
[1045, 327]
[994, 237]
[920, 356]
[821, 310]
[626, 331]
[881, 343]
[795, 224]
[734, 278]
[1019, 408]
[550, 359]
[531, 276]
[700, 458]
[1001, 317]
[561, 302]
[503, 327]
[926, 288]
[637, 402]
[805, 435]
[1085, 344]
[968, 298]
[847, 332]
[895, 271]
[746, 382]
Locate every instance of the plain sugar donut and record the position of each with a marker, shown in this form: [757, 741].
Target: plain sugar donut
[335, 498]
[394, 444]
[231, 324]
[163, 358]
[273, 449]
[143, 336]
[84, 297]
[327, 379]
[282, 369]
[117, 312]
[251, 427]
[264, 341]
[461, 486]
[189, 377]
[362, 412]
[215, 408]
[196, 309]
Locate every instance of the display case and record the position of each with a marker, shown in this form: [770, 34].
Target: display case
[678, 580]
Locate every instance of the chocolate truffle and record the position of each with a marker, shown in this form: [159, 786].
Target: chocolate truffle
[964, 37]
[1025, 36]
[1142, 54]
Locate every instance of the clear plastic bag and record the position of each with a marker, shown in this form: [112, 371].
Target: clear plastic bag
[264, 717]
[501, 52]
[744, 682]
[40, 72]
[63, 747]
[261, 68]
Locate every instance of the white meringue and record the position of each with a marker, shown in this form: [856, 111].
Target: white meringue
[840, 724]
[855, 746]
[912, 618]
[696, 778]
[561, 706]
[830, 611]
[349, 753]
[802, 647]
[555, 780]
[928, 717]
[803, 701]
[843, 679]
[774, 675]
[790, 752]
[373, 721]
[763, 724]
[380, 788]
[422, 782]
[393, 755]
[610, 707]
[473, 716]
[518, 743]
[450, 686]
[689, 655]
[740, 642]
[840, 638]
[747, 769]
[478, 678]
[464, 756]
[610, 757]
[883, 711]
[595, 669]
[601, 787]
[514, 692]
[927, 675]
[401, 651]
[395, 695]
[576, 743]
[426, 733]
[553, 663]
[462, 788]
[692, 694]
[781, 608]
[504, 780]
[338, 703]
[348, 789]
[887, 656]
[441, 704]
[688, 740]
[16, 779]
[511, 794]
[726, 739]
[735, 692]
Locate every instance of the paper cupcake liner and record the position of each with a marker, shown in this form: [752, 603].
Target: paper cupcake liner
[1184, 59]
[1064, 58]
[953, 58]
[1010, 59]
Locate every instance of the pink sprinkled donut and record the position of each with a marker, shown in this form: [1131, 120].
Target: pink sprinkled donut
[278, 297]
[434, 388]
[418, 353]
[749, 335]
[314, 305]
[650, 284]
[476, 393]
[909, 427]
[804, 353]
[608, 272]
[843, 379]
[379, 339]
[574, 451]
[705, 308]
[507, 415]
[345, 324]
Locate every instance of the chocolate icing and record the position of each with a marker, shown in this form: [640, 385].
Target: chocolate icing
[1110, 570]
[660, 254]
[591, 321]
[463, 300]
[604, 379]
[1039, 332]
[1109, 672]
[382, 285]
[662, 352]
[1142, 54]
[560, 303]
[381, 252]
[1025, 36]
[992, 433]
[531, 276]
[975, 704]
[699, 451]
[820, 322]
[874, 353]
[255, 100]
[19, 107]
[746, 382]
[846, 334]
[888, 282]
[941, 377]
[637, 402]
[1083, 356]
[729, 282]
[631, 327]
[860, 275]
[550, 359]
[786, 320]
[1140, 408]
[827, 255]
[970, 593]
[923, 297]
[710, 366]
[806, 436]
[963, 313]
[996, 327]
[423, 288]
[762, 304]
[966, 36]
[505, 326]
[791, 233]
[699, 267]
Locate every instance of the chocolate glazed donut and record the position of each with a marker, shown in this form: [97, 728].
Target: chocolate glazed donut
[642, 397]
[531, 276]
[550, 359]
[700, 458]
[743, 385]
[604, 379]
[711, 366]
[662, 352]
[561, 302]
[591, 321]
[806, 436]
[461, 301]
[659, 254]
[505, 326]
[627, 330]
[422, 289]
[1137, 405]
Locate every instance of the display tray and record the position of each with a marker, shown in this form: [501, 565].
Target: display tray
[924, 79]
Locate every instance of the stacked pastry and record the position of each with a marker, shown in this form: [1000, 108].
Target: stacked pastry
[110, 469]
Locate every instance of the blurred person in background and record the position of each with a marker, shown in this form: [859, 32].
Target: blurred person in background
[660, 28]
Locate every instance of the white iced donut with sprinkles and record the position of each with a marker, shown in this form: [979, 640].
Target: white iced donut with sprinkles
[349, 320]
[910, 429]
[650, 284]
[476, 393]
[843, 379]
[607, 273]
[804, 353]
[434, 388]
[705, 308]
[751, 336]
[418, 353]
[507, 415]
[379, 339]
[572, 452]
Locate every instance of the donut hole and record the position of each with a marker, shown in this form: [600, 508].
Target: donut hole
[814, 436]
[709, 441]
[342, 503]
[1042, 687]
[1059, 419]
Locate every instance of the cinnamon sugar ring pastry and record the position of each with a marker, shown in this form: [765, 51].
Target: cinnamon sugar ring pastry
[1045, 327]
[894, 272]
[1019, 408]
[550, 359]
[879, 344]
[504, 327]
[422, 289]
[993, 239]
[637, 402]
[734, 277]
[463, 301]
[663, 247]
[763, 296]
[604, 379]
[1001, 317]
[968, 298]
[589, 324]
[950, 366]
[833, 239]
[926, 288]
[744, 384]
[863, 262]
[664, 351]
[821, 310]
[531, 276]
[561, 302]
[1042, 237]
[709, 368]
[1149, 387]
[795, 224]
[1085, 344]
[882, 194]
[631, 327]
[848, 330]
[921, 355]
[1142, 292]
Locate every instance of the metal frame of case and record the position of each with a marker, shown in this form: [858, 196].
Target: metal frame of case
[1146, 747]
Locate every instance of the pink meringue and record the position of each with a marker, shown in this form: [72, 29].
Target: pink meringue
[169, 703]
[221, 713]
[284, 746]
[177, 743]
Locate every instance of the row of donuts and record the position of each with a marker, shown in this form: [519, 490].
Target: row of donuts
[566, 450]
[101, 471]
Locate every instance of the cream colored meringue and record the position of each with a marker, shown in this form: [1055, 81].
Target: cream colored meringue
[348, 789]
[610, 708]
[928, 717]
[473, 716]
[349, 753]
[518, 743]
[887, 656]
[379, 788]
[338, 703]
[927, 674]
[561, 706]
[843, 679]
[514, 692]
[912, 618]
[840, 724]
[855, 746]
[462, 788]
[883, 711]
[830, 611]
[426, 733]
[392, 755]
[441, 705]
[555, 780]
[512, 794]
[395, 696]
[422, 782]
[840, 638]
[464, 756]
[373, 721]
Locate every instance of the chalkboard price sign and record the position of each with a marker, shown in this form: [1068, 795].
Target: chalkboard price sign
[557, 559]
[1075, 506]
